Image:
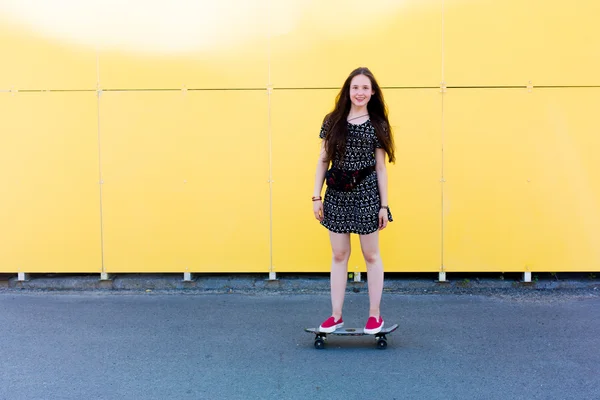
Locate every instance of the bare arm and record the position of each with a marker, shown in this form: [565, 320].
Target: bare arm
[382, 178]
[322, 166]
[382, 183]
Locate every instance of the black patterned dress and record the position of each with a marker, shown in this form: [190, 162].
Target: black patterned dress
[356, 211]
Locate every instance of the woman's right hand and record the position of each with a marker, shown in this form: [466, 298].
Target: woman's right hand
[318, 209]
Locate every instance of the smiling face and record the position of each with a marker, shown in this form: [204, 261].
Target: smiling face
[360, 90]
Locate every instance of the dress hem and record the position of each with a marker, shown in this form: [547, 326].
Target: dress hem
[349, 231]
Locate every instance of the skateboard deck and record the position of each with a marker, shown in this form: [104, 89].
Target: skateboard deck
[321, 337]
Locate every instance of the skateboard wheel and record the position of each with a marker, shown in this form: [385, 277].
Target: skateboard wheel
[381, 344]
[319, 344]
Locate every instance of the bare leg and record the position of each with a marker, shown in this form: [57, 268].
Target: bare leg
[370, 249]
[340, 247]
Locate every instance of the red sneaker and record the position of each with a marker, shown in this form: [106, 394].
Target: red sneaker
[374, 325]
[331, 325]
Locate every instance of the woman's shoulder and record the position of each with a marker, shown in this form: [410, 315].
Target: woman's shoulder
[383, 125]
[326, 121]
[325, 126]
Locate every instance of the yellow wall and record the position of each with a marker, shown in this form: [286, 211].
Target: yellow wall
[190, 145]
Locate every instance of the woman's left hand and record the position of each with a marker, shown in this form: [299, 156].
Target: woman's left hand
[383, 218]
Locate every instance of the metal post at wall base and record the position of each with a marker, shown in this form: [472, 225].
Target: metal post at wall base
[22, 277]
[106, 277]
[272, 276]
[527, 277]
[188, 277]
[442, 277]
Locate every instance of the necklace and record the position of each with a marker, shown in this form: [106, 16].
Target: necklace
[364, 115]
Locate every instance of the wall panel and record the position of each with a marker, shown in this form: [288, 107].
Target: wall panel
[399, 41]
[31, 61]
[413, 241]
[50, 203]
[185, 181]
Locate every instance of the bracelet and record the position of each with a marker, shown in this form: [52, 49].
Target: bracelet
[316, 198]
[384, 208]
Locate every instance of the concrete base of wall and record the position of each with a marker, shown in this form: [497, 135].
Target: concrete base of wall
[398, 283]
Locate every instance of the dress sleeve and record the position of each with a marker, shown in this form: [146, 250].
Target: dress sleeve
[324, 129]
[386, 132]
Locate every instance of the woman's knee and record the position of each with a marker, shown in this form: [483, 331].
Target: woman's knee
[371, 257]
[341, 255]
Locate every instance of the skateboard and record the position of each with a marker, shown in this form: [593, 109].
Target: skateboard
[321, 337]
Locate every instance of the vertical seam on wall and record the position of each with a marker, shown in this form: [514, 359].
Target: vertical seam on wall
[442, 43]
[443, 181]
[269, 36]
[100, 183]
[270, 133]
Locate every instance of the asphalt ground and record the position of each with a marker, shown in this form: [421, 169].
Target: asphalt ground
[455, 341]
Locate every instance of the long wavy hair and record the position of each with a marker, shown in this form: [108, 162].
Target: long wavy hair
[336, 121]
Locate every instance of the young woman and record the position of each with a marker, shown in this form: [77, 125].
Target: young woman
[356, 138]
